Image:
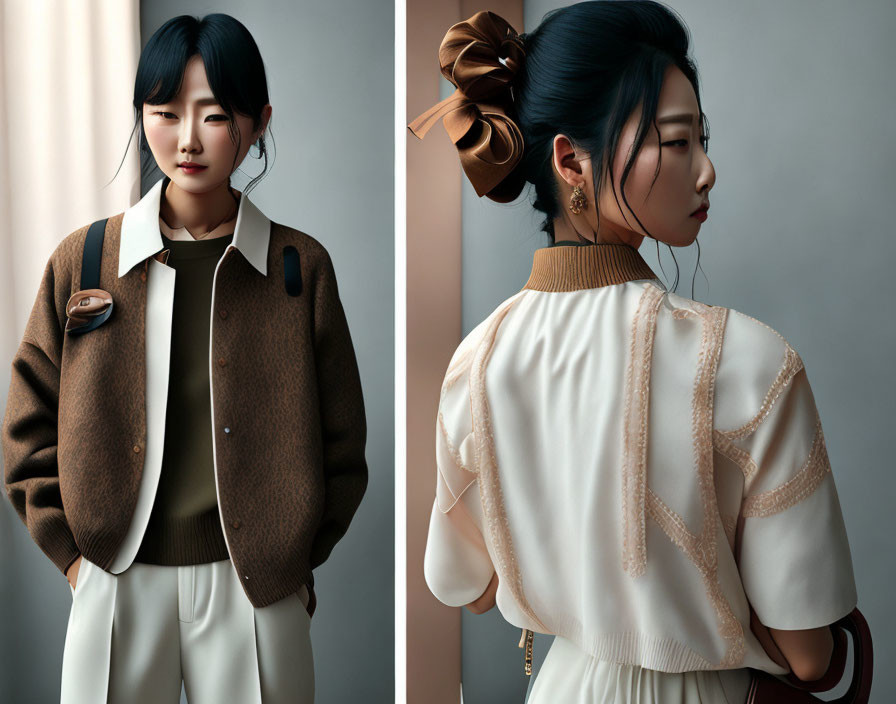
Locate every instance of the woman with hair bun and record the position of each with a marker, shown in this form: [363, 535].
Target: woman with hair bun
[638, 473]
[190, 445]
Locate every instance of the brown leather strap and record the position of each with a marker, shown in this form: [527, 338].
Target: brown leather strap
[863, 658]
[766, 689]
[832, 677]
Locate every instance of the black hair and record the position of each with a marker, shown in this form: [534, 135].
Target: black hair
[588, 66]
[233, 64]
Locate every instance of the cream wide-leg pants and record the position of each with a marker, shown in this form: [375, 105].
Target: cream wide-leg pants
[132, 638]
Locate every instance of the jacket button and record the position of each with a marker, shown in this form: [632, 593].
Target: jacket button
[136, 448]
[227, 430]
[222, 362]
[222, 313]
[235, 524]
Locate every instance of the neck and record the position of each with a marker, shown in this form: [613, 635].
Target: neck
[200, 213]
[580, 231]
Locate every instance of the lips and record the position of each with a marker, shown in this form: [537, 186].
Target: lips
[191, 167]
[702, 209]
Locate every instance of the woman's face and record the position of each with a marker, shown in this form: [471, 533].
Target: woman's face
[684, 180]
[189, 136]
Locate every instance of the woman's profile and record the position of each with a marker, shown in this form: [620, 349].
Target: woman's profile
[641, 474]
[185, 434]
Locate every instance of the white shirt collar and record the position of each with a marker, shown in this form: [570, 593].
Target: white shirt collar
[141, 237]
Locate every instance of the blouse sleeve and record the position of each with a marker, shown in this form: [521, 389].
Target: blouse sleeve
[457, 565]
[794, 556]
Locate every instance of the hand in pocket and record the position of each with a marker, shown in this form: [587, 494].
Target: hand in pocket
[72, 574]
[312, 600]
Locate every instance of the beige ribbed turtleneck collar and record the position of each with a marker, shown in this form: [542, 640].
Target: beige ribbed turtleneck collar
[574, 267]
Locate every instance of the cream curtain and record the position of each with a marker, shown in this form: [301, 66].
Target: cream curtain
[66, 85]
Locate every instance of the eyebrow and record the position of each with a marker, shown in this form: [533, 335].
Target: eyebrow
[687, 118]
[210, 100]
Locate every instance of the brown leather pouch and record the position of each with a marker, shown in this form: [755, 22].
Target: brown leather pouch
[767, 689]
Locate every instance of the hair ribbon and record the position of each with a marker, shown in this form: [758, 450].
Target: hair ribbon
[481, 57]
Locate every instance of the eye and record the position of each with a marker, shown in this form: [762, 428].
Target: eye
[165, 115]
[683, 142]
[217, 118]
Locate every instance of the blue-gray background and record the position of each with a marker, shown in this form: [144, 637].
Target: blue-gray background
[800, 99]
[330, 77]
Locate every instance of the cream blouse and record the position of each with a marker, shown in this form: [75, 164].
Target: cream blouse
[639, 468]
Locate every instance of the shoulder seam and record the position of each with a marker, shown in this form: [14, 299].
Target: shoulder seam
[791, 365]
[765, 325]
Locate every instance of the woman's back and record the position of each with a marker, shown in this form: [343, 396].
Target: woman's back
[639, 468]
[645, 474]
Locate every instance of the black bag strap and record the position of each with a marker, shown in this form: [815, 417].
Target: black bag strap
[292, 270]
[92, 256]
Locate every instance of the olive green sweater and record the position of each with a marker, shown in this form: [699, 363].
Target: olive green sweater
[184, 526]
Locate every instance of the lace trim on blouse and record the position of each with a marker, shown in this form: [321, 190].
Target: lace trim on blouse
[494, 511]
[800, 486]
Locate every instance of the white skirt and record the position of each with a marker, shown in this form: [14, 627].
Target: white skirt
[571, 676]
[133, 637]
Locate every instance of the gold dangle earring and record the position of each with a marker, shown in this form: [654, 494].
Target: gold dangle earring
[577, 201]
[526, 642]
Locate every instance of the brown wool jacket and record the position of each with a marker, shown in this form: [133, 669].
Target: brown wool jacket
[289, 427]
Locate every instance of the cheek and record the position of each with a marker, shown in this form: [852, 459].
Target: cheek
[158, 135]
[670, 194]
[245, 127]
[218, 138]
[641, 177]
[162, 141]
[638, 182]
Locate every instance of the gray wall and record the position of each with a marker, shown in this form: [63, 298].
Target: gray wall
[800, 99]
[330, 75]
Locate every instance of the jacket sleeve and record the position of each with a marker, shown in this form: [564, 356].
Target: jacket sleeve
[29, 435]
[343, 420]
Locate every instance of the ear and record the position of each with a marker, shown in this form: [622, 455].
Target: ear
[568, 163]
[265, 119]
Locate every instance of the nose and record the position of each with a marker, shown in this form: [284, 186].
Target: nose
[707, 178]
[188, 140]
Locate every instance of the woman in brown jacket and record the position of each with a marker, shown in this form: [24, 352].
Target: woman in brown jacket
[188, 518]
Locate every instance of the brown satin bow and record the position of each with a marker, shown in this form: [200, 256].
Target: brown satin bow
[476, 116]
